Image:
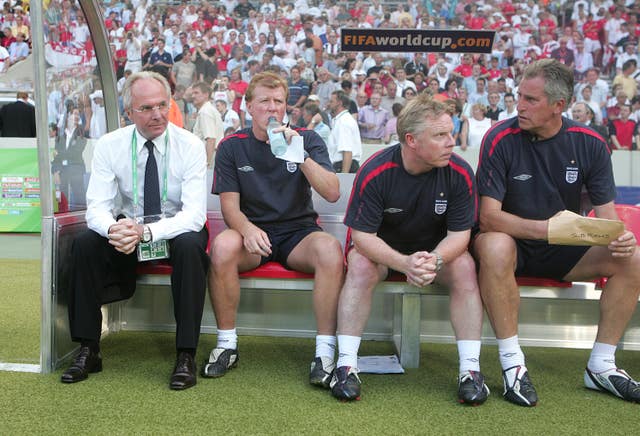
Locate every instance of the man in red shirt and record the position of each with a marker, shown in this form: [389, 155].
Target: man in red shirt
[623, 132]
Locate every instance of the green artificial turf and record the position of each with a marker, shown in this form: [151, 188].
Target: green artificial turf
[20, 311]
[268, 394]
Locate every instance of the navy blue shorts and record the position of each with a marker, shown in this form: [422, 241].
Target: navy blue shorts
[284, 239]
[538, 259]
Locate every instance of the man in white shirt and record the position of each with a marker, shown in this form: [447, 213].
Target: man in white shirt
[134, 168]
[208, 126]
[510, 110]
[345, 146]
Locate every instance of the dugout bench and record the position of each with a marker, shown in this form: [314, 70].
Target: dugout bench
[276, 301]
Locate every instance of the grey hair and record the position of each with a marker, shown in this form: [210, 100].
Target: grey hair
[140, 75]
[558, 79]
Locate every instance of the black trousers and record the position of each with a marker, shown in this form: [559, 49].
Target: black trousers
[101, 274]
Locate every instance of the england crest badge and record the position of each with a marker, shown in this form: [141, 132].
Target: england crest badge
[571, 175]
[440, 207]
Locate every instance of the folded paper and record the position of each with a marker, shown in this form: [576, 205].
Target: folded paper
[568, 228]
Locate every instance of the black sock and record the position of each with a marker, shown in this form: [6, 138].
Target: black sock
[191, 351]
[94, 346]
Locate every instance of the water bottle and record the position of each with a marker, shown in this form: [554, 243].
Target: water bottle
[277, 140]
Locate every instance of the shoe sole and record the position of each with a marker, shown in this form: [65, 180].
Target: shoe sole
[181, 388]
[98, 368]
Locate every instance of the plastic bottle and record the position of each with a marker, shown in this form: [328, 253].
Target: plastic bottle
[277, 140]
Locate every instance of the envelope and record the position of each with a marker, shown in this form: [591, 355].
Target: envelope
[568, 228]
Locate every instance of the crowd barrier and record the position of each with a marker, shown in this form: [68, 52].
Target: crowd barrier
[276, 302]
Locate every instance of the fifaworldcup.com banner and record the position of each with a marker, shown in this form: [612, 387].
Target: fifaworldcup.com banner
[416, 40]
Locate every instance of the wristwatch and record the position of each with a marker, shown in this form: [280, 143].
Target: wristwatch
[305, 155]
[146, 234]
[439, 261]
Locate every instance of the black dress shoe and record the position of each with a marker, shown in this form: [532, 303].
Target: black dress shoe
[85, 363]
[184, 373]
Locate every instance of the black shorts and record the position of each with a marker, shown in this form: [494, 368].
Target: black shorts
[537, 259]
[284, 239]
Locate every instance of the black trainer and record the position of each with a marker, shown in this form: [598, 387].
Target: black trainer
[518, 388]
[615, 381]
[345, 384]
[471, 388]
[321, 372]
[220, 360]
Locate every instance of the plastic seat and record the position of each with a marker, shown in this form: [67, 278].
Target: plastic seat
[630, 216]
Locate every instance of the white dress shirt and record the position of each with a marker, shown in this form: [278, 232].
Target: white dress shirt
[110, 190]
[345, 136]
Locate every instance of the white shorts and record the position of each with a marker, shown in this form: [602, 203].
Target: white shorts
[591, 45]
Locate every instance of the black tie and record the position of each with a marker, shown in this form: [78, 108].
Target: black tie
[151, 184]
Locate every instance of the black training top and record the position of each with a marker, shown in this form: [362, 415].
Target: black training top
[535, 179]
[271, 190]
[411, 212]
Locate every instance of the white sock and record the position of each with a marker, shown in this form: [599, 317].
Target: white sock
[227, 339]
[602, 357]
[348, 350]
[326, 346]
[469, 355]
[510, 352]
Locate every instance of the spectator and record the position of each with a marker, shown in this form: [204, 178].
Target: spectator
[18, 119]
[510, 110]
[68, 165]
[184, 72]
[161, 59]
[313, 120]
[18, 50]
[208, 125]
[391, 97]
[298, 90]
[372, 119]
[563, 54]
[390, 130]
[344, 145]
[475, 127]
[626, 80]
[230, 118]
[493, 110]
[583, 113]
[238, 87]
[623, 132]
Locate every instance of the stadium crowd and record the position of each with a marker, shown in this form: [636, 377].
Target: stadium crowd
[223, 44]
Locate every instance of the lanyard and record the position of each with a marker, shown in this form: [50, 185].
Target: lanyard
[134, 170]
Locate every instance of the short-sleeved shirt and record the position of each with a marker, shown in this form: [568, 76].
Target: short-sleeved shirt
[411, 212]
[297, 90]
[536, 179]
[272, 191]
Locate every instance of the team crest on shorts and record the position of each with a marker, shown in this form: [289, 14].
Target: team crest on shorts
[441, 207]
[571, 175]
[292, 167]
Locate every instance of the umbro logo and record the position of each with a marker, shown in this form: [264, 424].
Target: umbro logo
[523, 177]
[246, 169]
[393, 210]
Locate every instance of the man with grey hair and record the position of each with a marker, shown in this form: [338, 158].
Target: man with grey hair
[412, 209]
[147, 199]
[532, 167]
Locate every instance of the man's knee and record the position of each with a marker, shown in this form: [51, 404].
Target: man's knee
[361, 271]
[495, 250]
[226, 247]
